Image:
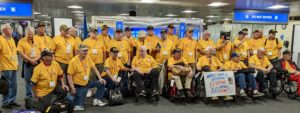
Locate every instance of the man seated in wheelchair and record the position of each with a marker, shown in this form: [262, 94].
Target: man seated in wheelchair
[179, 68]
[113, 68]
[264, 69]
[242, 74]
[291, 67]
[210, 63]
[145, 69]
[45, 86]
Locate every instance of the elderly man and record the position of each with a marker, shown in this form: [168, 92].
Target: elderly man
[164, 48]
[45, 77]
[224, 48]
[78, 76]
[273, 46]
[188, 47]
[291, 67]
[41, 35]
[178, 62]
[256, 42]
[145, 67]
[170, 34]
[210, 63]
[133, 42]
[29, 48]
[241, 47]
[264, 67]
[152, 40]
[104, 37]
[8, 65]
[72, 32]
[142, 42]
[205, 42]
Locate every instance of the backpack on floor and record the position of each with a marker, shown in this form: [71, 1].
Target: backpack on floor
[60, 106]
[3, 85]
[115, 97]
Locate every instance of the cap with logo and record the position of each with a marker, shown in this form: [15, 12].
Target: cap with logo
[46, 52]
[119, 30]
[234, 54]
[41, 24]
[141, 33]
[114, 50]
[171, 26]
[150, 27]
[83, 47]
[104, 27]
[286, 52]
[63, 27]
[190, 30]
[128, 29]
[177, 50]
[93, 29]
[163, 31]
[272, 31]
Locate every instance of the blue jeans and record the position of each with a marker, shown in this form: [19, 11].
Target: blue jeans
[81, 91]
[28, 71]
[11, 77]
[252, 81]
[240, 78]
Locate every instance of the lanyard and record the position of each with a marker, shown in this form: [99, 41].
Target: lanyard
[84, 66]
[10, 45]
[50, 72]
[66, 41]
[95, 44]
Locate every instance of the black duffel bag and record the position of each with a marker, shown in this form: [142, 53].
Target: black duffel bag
[115, 97]
[4, 86]
[246, 71]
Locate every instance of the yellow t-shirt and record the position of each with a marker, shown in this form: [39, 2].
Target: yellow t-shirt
[64, 49]
[104, 39]
[47, 41]
[272, 48]
[288, 67]
[123, 48]
[188, 46]
[242, 49]
[133, 42]
[43, 75]
[165, 51]
[114, 66]
[80, 70]
[262, 63]
[8, 54]
[172, 61]
[30, 49]
[224, 53]
[214, 63]
[96, 49]
[231, 65]
[255, 44]
[203, 44]
[78, 41]
[144, 64]
[173, 38]
[152, 42]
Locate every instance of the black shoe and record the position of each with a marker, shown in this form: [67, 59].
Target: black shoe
[7, 107]
[154, 93]
[180, 94]
[15, 104]
[265, 91]
[189, 94]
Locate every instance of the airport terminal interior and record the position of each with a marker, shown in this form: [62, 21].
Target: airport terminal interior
[150, 56]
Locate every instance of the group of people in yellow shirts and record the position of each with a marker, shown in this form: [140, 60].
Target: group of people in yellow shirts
[101, 61]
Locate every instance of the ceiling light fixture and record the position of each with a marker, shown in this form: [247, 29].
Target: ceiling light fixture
[226, 19]
[37, 13]
[189, 11]
[124, 14]
[78, 12]
[75, 7]
[212, 16]
[217, 4]
[43, 15]
[277, 7]
[147, 1]
[171, 15]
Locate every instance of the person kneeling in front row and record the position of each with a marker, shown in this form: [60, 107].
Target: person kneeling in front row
[45, 77]
[145, 67]
[78, 76]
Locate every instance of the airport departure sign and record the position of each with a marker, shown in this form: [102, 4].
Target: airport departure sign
[15, 9]
[261, 17]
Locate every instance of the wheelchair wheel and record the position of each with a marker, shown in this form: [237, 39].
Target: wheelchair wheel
[156, 98]
[292, 96]
[274, 95]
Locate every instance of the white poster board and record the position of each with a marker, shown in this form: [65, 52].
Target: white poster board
[296, 46]
[59, 21]
[219, 83]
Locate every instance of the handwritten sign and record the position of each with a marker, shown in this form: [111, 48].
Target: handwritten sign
[219, 83]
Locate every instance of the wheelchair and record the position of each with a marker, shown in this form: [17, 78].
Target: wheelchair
[134, 91]
[170, 90]
[286, 86]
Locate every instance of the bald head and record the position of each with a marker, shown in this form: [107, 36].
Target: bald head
[143, 51]
[72, 31]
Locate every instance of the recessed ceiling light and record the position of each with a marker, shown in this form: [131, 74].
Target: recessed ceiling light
[217, 4]
[227, 19]
[277, 7]
[37, 13]
[189, 11]
[211, 16]
[124, 14]
[147, 1]
[171, 15]
[75, 7]
[43, 15]
[78, 12]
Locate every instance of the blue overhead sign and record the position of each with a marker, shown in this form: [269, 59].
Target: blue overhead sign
[13, 9]
[261, 17]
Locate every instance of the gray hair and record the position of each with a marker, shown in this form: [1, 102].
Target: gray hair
[4, 26]
[143, 48]
[28, 29]
[262, 49]
[72, 28]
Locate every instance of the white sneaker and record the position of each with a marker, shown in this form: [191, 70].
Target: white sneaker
[78, 108]
[89, 93]
[98, 102]
[242, 93]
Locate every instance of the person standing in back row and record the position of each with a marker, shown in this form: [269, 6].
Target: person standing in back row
[273, 46]
[188, 47]
[41, 35]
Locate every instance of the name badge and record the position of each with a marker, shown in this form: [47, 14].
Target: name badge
[254, 51]
[270, 53]
[119, 54]
[119, 79]
[94, 51]
[85, 77]
[165, 52]
[32, 53]
[68, 50]
[225, 56]
[244, 53]
[172, 83]
[190, 53]
[52, 84]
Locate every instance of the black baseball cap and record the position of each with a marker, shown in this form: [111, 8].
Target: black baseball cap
[114, 50]
[244, 29]
[150, 27]
[46, 52]
[128, 29]
[41, 24]
[163, 31]
[104, 27]
[241, 33]
[177, 50]
[256, 31]
[93, 30]
[273, 31]
[234, 54]
[171, 26]
[119, 30]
